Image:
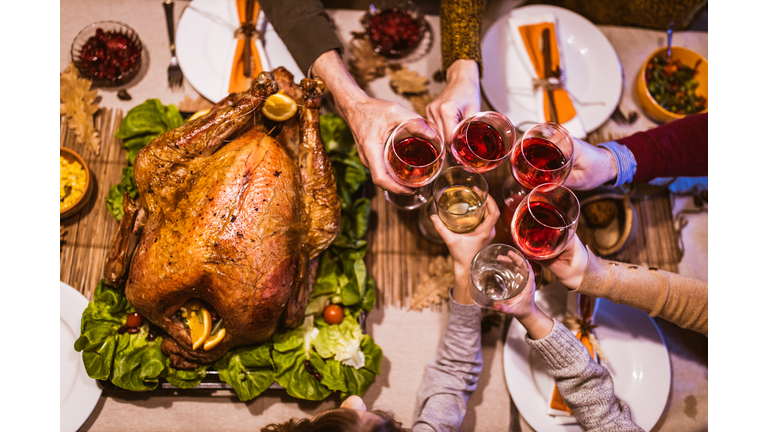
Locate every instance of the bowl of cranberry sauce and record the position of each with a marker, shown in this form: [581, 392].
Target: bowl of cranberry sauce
[395, 28]
[107, 52]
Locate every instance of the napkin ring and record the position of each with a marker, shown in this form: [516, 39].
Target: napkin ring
[574, 323]
[247, 29]
[547, 84]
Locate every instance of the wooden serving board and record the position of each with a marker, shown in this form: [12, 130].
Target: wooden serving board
[398, 254]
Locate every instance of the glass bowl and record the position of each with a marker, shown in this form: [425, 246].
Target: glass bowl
[395, 27]
[107, 52]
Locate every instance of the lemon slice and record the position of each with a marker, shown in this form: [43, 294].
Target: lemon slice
[199, 114]
[279, 107]
[214, 340]
[199, 331]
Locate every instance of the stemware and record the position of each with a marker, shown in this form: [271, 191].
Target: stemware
[543, 155]
[499, 272]
[460, 194]
[545, 221]
[413, 156]
[483, 141]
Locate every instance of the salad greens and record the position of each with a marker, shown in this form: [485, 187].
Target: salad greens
[139, 127]
[311, 361]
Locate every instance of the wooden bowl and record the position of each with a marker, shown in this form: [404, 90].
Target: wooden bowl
[612, 238]
[649, 105]
[71, 156]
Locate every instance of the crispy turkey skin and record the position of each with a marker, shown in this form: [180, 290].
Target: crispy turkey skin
[233, 218]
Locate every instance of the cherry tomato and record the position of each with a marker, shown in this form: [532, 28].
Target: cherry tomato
[333, 314]
[134, 320]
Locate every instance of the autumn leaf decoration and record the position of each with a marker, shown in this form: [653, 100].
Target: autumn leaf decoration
[78, 104]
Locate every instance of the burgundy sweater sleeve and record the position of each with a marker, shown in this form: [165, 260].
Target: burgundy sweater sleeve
[675, 149]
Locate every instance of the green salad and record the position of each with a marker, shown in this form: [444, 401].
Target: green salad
[673, 85]
[311, 361]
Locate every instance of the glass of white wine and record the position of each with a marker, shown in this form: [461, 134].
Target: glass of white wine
[499, 272]
[460, 194]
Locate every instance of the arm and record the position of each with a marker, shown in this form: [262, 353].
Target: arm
[675, 149]
[678, 299]
[586, 387]
[304, 27]
[460, 22]
[451, 376]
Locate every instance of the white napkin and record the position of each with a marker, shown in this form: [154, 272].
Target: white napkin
[574, 126]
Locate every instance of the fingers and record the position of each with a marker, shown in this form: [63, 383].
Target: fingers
[382, 179]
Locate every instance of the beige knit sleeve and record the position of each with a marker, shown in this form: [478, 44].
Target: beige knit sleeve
[460, 25]
[678, 299]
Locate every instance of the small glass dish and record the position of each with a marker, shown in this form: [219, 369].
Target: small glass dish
[107, 52]
[395, 27]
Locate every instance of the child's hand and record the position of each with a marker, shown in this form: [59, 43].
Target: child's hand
[523, 307]
[464, 247]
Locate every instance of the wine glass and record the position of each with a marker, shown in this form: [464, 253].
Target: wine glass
[413, 155]
[545, 222]
[499, 272]
[483, 141]
[460, 194]
[543, 155]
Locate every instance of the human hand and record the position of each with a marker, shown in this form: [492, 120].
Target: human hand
[372, 121]
[459, 99]
[464, 247]
[569, 266]
[592, 166]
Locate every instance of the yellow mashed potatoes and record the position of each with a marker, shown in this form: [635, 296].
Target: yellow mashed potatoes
[72, 182]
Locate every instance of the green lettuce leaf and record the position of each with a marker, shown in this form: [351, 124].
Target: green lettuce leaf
[342, 342]
[184, 378]
[138, 363]
[248, 370]
[335, 134]
[115, 196]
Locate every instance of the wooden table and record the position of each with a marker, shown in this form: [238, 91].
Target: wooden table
[398, 256]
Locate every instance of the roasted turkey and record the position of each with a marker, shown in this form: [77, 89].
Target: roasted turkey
[234, 217]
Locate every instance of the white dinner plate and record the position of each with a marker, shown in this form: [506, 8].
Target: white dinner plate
[591, 69]
[79, 393]
[637, 359]
[206, 43]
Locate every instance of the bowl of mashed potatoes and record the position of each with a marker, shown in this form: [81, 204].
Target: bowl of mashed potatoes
[74, 184]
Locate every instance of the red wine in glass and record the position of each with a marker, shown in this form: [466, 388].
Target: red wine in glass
[478, 145]
[537, 161]
[412, 159]
[540, 230]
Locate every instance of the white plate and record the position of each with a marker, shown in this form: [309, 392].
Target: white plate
[591, 69]
[206, 43]
[637, 360]
[79, 393]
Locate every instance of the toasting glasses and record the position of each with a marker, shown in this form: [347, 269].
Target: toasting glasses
[499, 272]
[545, 221]
[413, 155]
[483, 141]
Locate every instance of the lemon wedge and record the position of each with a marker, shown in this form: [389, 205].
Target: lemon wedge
[199, 331]
[279, 107]
[199, 114]
[214, 340]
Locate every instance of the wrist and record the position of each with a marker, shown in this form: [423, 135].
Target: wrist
[342, 88]
[461, 285]
[462, 70]
[537, 323]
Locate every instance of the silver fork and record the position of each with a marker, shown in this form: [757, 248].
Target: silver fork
[175, 76]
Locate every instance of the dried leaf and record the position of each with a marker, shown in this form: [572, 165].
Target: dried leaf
[365, 65]
[405, 81]
[194, 105]
[78, 104]
[419, 103]
[433, 287]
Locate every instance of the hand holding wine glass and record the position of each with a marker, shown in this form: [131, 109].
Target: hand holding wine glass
[413, 155]
[483, 141]
[545, 222]
[463, 248]
[543, 155]
[523, 307]
[592, 166]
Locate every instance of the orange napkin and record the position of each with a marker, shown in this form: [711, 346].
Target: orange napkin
[557, 400]
[238, 82]
[532, 36]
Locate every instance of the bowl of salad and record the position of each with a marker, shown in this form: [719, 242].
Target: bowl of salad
[671, 90]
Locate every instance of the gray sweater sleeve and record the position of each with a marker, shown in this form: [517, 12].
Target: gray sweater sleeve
[586, 387]
[451, 376]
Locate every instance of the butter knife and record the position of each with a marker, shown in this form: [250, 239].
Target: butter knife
[547, 52]
[247, 61]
